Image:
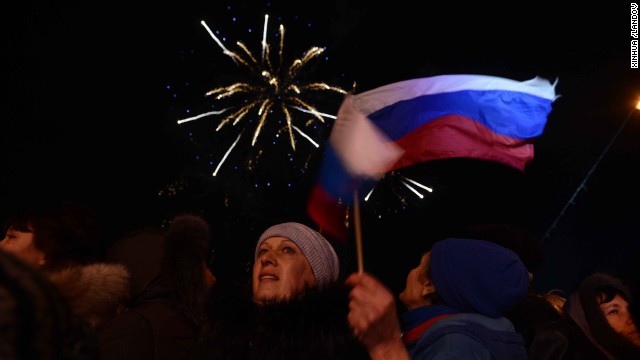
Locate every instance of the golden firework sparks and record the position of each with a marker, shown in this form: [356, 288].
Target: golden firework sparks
[274, 86]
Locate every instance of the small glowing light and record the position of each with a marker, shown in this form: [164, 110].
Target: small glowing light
[638, 105]
[418, 184]
[366, 198]
[227, 154]
[314, 112]
[412, 189]
[201, 115]
[305, 136]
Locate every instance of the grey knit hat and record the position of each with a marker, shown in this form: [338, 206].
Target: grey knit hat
[318, 251]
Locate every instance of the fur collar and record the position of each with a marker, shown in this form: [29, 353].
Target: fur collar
[93, 292]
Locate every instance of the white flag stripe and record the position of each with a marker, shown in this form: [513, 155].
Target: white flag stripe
[378, 98]
[361, 146]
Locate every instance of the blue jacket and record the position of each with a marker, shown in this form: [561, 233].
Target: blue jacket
[466, 336]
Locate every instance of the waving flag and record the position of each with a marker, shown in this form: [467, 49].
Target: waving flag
[447, 116]
[357, 153]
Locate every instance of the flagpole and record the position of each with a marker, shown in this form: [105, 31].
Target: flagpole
[356, 219]
[586, 178]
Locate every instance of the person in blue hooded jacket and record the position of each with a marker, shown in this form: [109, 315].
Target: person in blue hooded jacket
[456, 300]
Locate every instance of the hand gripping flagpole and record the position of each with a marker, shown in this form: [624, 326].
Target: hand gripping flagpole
[586, 178]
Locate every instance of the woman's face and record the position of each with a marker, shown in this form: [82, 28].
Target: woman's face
[21, 244]
[617, 313]
[415, 290]
[280, 271]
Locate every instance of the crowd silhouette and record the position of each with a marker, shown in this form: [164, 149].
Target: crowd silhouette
[153, 294]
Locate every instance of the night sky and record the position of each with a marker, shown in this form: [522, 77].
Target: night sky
[91, 96]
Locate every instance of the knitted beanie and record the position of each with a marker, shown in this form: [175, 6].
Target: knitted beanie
[478, 276]
[318, 251]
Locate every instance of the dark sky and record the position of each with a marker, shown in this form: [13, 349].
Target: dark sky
[91, 95]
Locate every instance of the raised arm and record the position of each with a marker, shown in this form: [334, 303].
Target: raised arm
[373, 318]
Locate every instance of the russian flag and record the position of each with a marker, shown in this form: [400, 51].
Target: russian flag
[357, 153]
[448, 116]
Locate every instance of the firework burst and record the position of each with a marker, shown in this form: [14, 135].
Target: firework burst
[272, 87]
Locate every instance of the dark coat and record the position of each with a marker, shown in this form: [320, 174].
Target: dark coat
[312, 327]
[550, 334]
[166, 313]
[35, 320]
[152, 330]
